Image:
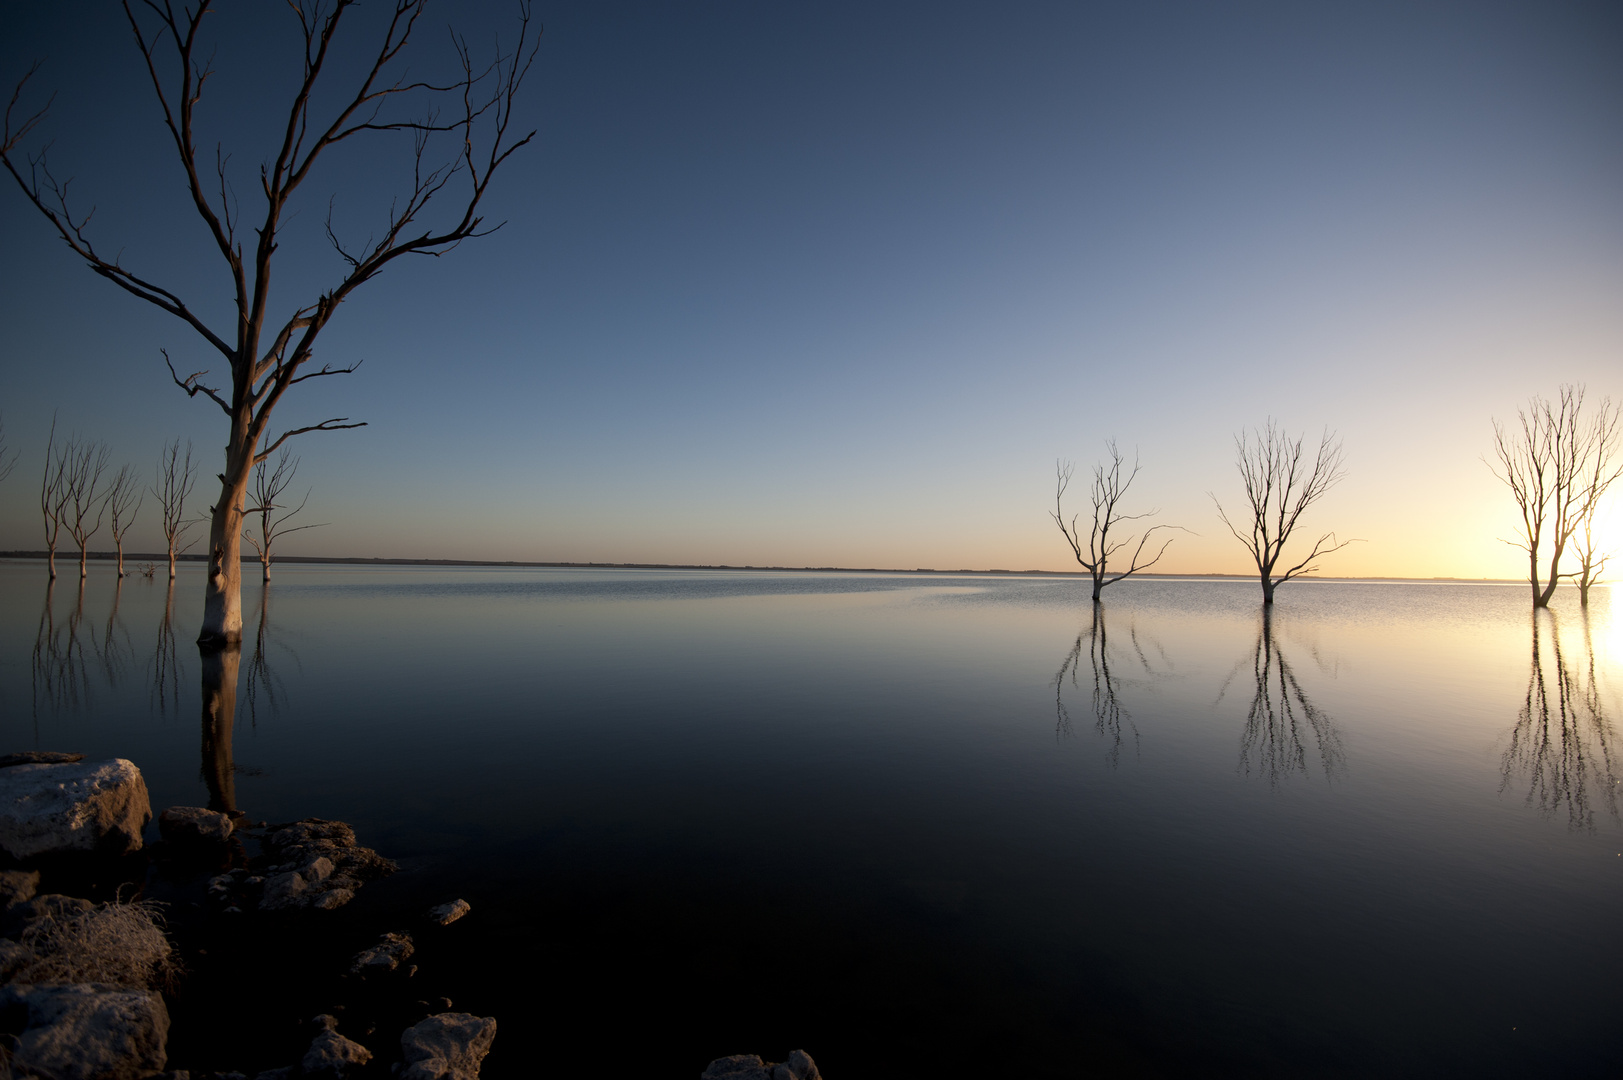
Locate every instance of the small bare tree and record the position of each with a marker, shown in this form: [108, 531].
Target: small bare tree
[176, 477]
[1280, 485]
[1558, 464]
[8, 458]
[124, 498]
[84, 497]
[1599, 469]
[1106, 494]
[53, 496]
[269, 484]
[265, 354]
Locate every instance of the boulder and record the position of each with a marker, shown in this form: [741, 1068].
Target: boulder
[446, 914]
[317, 864]
[99, 806]
[386, 955]
[87, 1031]
[17, 886]
[194, 825]
[800, 1066]
[447, 1046]
[332, 1056]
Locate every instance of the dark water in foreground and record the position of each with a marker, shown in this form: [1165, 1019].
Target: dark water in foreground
[920, 825]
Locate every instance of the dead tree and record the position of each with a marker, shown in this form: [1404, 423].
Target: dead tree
[124, 498]
[1280, 485]
[8, 458]
[176, 477]
[468, 114]
[1599, 469]
[1106, 494]
[1557, 463]
[269, 484]
[84, 501]
[53, 496]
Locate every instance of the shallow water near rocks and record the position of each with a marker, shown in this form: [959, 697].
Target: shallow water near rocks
[916, 824]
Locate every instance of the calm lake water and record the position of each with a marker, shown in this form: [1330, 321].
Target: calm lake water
[918, 824]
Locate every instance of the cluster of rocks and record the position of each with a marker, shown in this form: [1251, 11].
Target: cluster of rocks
[445, 1046]
[305, 864]
[799, 1066]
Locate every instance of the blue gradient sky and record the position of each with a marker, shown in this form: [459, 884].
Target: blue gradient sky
[835, 284]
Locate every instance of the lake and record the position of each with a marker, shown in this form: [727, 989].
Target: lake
[918, 824]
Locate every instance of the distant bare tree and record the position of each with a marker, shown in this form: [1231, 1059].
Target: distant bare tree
[1106, 494]
[85, 499]
[269, 484]
[53, 496]
[124, 498]
[460, 134]
[176, 477]
[1558, 464]
[1601, 468]
[1280, 485]
[8, 458]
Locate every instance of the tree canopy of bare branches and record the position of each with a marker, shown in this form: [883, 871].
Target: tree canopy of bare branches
[1558, 463]
[176, 477]
[124, 498]
[1093, 553]
[1280, 485]
[84, 497]
[269, 484]
[469, 114]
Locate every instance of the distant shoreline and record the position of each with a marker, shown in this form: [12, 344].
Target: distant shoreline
[145, 557]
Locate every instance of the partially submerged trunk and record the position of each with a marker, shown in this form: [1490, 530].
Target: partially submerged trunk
[222, 593]
[220, 666]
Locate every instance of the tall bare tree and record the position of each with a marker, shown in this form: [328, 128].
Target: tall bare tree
[53, 496]
[84, 502]
[176, 477]
[1600, 469]
[1280, 485]
[124, 498]
[1106, 493]
[1558, 463]
[269, 484]
[469, 114]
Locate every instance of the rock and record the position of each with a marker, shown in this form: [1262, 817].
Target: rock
[13, 955]
[800, 1066]
[194, 825]
[447, 1046]
[326, 861]
[87, 1031]
[333, 1056]
[17, 886]
[99, 806]
[386, 955]
[38, 757]
[446, 914]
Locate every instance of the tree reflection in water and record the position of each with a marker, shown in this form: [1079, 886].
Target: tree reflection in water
[166, 672]
[59, 673]
[1562, 742]
[1109, 715]
[115, 650]
[1282, 718]
[265, 684]
[218, 772]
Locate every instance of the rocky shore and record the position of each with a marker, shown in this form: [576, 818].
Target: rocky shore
[86, 984]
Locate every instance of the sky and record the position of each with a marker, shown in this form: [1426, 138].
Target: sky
[836, 284]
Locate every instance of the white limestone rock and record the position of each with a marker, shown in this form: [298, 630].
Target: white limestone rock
[87, 1031]
[194, 825]
[446, 914]
[98, 806]
[447, 1046]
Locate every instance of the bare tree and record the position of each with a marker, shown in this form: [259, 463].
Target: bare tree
[1106, 494]
[176, 477]
[8, 458]
[124, 498]
[1557, 464]
[269, 484]
[265, 358]
[53, 496]
[1280, 485]
[1599, 469]
[84, 501]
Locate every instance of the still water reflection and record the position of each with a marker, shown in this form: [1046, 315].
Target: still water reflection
[1372, 832]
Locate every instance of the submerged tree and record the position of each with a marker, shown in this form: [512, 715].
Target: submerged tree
[176, 477]
[268, 354]
[84, 500]
[1558, 463]
[1094, 552]
[1599, 469]
[124, 499]
[1280, 485]
[53, 496]
[269, 484]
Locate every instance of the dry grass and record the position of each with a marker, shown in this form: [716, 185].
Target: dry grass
[121, 943]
